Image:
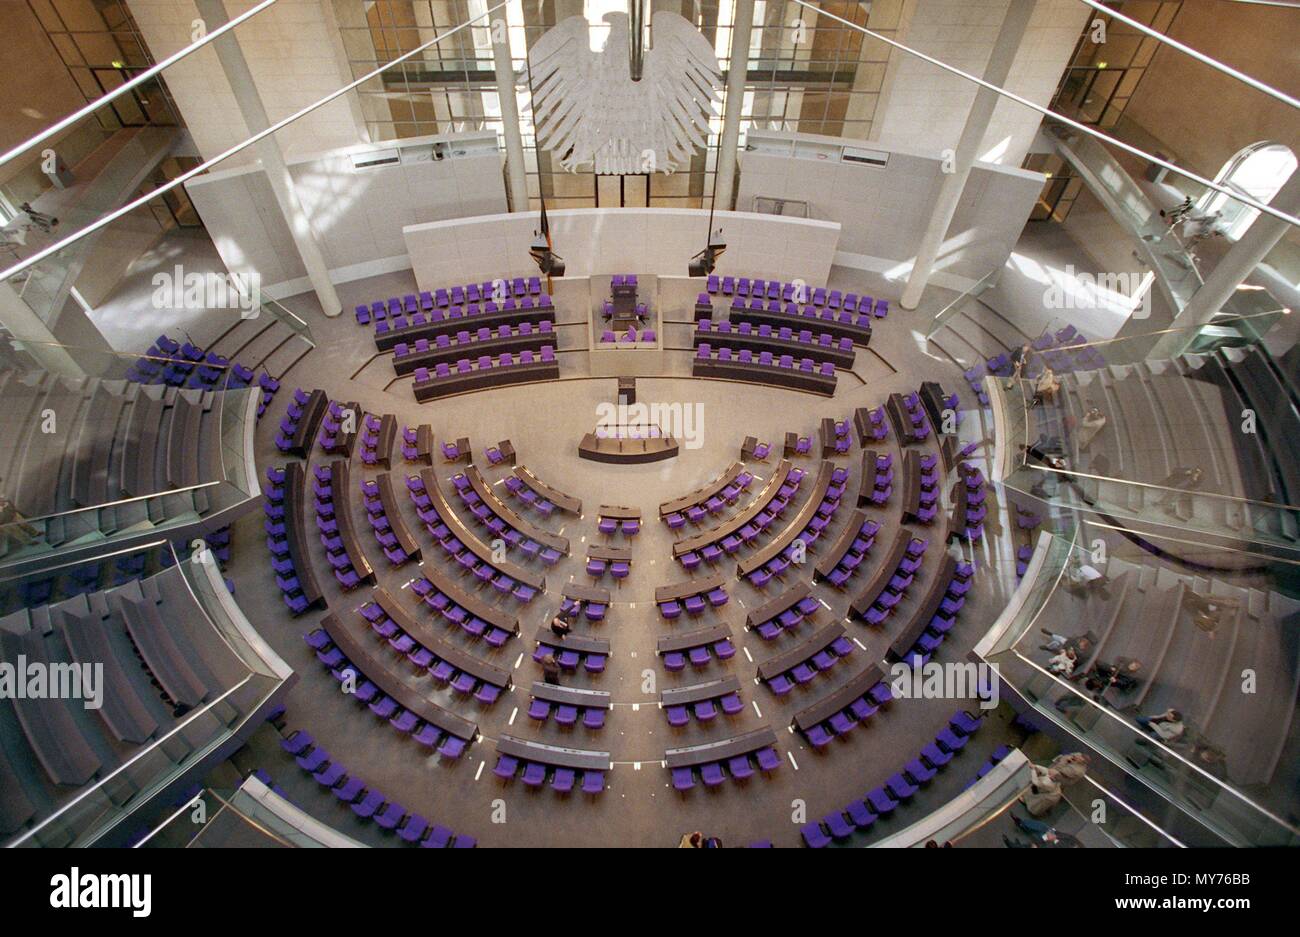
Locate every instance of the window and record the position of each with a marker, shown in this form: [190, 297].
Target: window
[1258, 171]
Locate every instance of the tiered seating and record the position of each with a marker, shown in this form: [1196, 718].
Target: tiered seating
[89, 459]
[617, 561]
[499, 290]
[901, 787]
[386, 520]
[563, 765]
[417, 444]
[156, 655]
[751, 448]
[799, 664]
[802, 531]
[777, 341]
[466, 611]
[877, 481]
[589, 601]
[299, 427]
[432, 323]
[835, 437]
[908, 416]
[745, 526]
[847, 553]
[842, 710]
[338, 428]
[968, 508]
[494, 514]
[713, 761]
[187, 365]
[367, 802]
[871, 425]
[920, 487]
[708, 499]
[377, 439]
[694, 595]
[486, 372]
[936, 614]
[286, 537]
[881, 595]
[445, 662]
[703, 700]
[699, 647]
[538, 495]
[469, 344]
[470, 553]
[796, 292]
[572, 650]
[765, 368]
[338, 535]
[785, 612]
[615, 518]
[386, 693]
[569, 706]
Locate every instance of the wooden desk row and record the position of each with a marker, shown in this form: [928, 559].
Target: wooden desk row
[341, 495]
[794, 527]
[740, 519]
[907, 638]
[626, 451]
[392, 684]
[295, 533]
[385, 341]
[868, 594]
[562, 502]
[783, 661]
[485, 378]
[470, 540]
[443, 649]
[396, 522]
[722, 750]
[511, 517]
[833, 702]
[703, 493]
[676, 591]
[770, 374]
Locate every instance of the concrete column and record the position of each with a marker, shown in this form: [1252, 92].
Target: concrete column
[37, 340]
[741, 28]
[1230, 272]
[268, 151]
[516, 171]
[1001, 58]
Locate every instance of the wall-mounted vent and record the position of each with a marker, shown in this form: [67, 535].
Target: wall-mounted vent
[867, 157]
[374, 159]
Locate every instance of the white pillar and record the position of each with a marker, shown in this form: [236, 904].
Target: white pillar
[36, 339]
[268, 150]
[996, 71]
[1230, 272]
[516, 171]
[741, 26]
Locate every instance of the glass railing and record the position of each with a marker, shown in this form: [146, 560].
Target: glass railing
[1095, 640]
[198, 738]
[1201, 443]
[48, 485]
[965, 302]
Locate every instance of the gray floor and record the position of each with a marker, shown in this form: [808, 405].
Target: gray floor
[545, 423]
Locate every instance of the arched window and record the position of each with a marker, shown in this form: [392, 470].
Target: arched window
[1258, 171]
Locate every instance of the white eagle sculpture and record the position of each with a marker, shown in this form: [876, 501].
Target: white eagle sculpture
[588, 111]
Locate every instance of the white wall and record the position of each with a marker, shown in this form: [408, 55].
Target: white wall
[882, 211]
[924, 106]
[596, 241]
[294, 54]
[358, 215]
